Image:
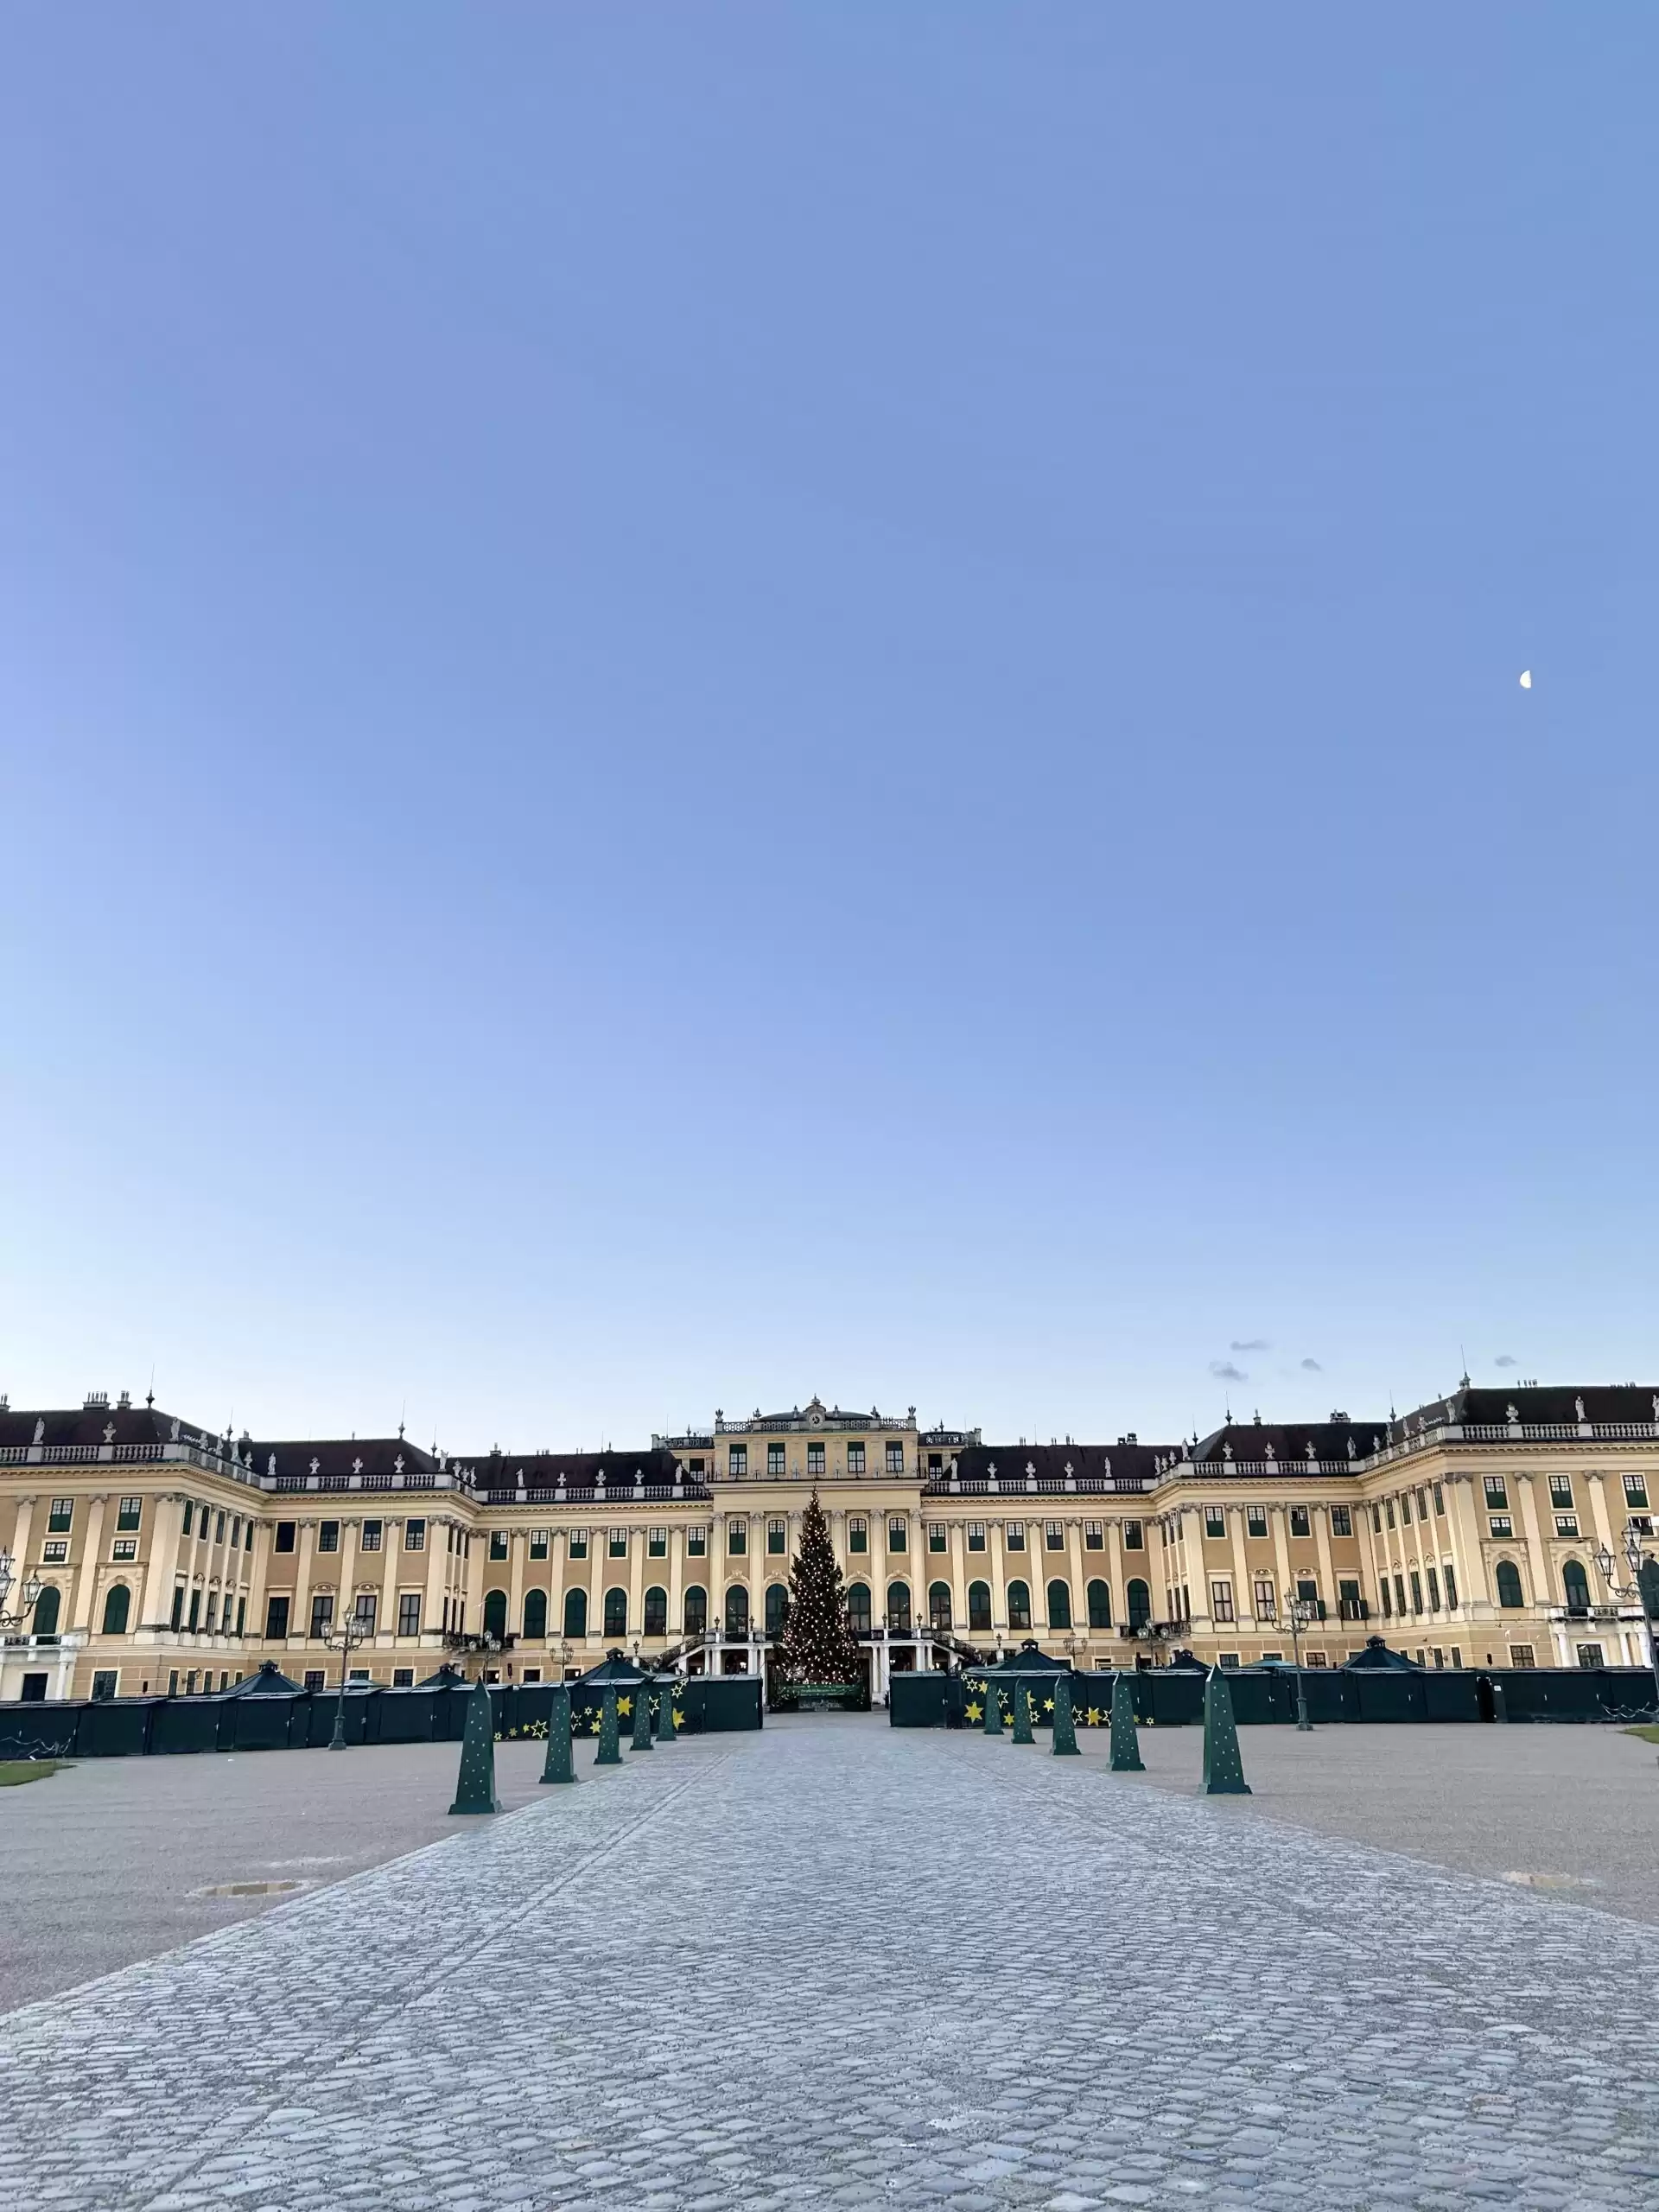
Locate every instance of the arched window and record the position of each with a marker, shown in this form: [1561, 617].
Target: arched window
[1509, 1584]
[858, 1607]
[495, 1612]
[1576, 1584]
[616, 1613]
[1018, 1606]
[899, 1606]
[777, 1608]
[1100, 1606]
[697, 1609]
[1060, 1605]
[536, 1614]
[979, 1605]
[938, 1605]
[576, 1612]
[115, 1606]
[45, 1612]
[656, 1612]
[1139, 1599]
[737, 1610]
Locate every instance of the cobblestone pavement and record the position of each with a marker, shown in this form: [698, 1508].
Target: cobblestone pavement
[834, 1966]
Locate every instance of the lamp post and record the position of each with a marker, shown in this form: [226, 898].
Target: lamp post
[1301, 1613]
[346, 1632]
[564, 1658]
[29, 1592]
[1622, 1592]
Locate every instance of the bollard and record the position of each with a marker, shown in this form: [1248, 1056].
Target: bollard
[1022, 1715]
[475, 1790]
[641, 1738]
[1066, 1733]
[558, 1766]
[993, 1721]
[666, 1731]
[609, 1750]
[1224, 1770]
[1125, 1744]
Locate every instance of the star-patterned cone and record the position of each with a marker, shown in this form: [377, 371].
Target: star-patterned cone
[666, 1730]
[641, 1740]
[610, 1751]
[558, 1766]
[475, 1790]
[1023, 1732]
[1065, 1734]
[993, 1723]
[1224, 1770]
[1125, 1744]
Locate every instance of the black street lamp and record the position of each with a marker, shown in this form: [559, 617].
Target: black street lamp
[1301, 1613]
[344, 1636]
[1625, 1592]
[29, 1593]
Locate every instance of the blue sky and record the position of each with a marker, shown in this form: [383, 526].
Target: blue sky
[706, 703]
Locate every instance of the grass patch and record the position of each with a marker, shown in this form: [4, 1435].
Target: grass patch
[12, 1771]
[1648, 1731]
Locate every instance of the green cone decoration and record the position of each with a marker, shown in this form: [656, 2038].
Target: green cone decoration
[666, 1731]
[610, 1753]
[475, 1790]
[1022, 1715]
[992, 1723]
[1065, 1734]
[1125, 1744]
[641, 1740]
[1224, 1770]
[558, 1766]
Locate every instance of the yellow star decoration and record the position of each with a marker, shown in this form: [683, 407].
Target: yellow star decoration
[975, 1712]
[1048, 1705]
[1092, 1719]
[625, 1706]
[595, 1725]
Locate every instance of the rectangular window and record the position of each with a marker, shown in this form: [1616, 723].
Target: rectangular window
[1388, 1508]
[1094, 1537]
[409, 1612]
[59, 1515]
[777, 1535]
[236, 1532]
[247, 1537]
[314, 1679]
[697, 1543]
[737, 1538]
[1348, 1599]
[1520, 1655]
[1635, 1493]
[1451, 1574]
[124, 1547]
[1433, 1582]
[1400, 1595]
[774, 1458]
[737, 1460]
[329, 1536]
[54, 1555]
[103, 1682]
[189, 1522]
[276, 1618]
[1299, 1523]
[1377, 1520]
[372, 1535]
[1439, 1514]
[403, 1678]
[1497, 1495]
[898, 1535]
[1589, 1655]
[895, 1458]
[1215, 1522]
[1053, 1536]
[858, 1535]
[854, 1459]
[1221, 1601]
[975, 1535]
[194, 1620]
[366, 1608]
[657, 1543]
[497, 1543]
[1388, 1602]
[1267, 1603]
[1501, 1525]
[1228, 1660]
[815, 1458]
[322, 1614]
[1567, 1524]
[1134, 1536]
[129, 1513]
[1422, 1506]
[618, 1548]
[1013, 1536]
[1560, 1492]
[213, 1611]
[218, 1527]
[1255, 1521]
[538, 1543]
[1342, 1521]
[414, 1535]
[936, 1538]
[1416, 1592]
[576, 1543]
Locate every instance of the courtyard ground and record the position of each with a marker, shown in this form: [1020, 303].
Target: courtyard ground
[839, 1965]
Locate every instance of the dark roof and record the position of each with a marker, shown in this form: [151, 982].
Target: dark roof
[1027, 1659]
[656, 1466]
[269, 1681]
[97, 1424]
[1377, 1658]
[1014, 1464]
[339, 1456]
[1552, 1406]
[1286, 1443]
[615, 1667]
[446, 1678]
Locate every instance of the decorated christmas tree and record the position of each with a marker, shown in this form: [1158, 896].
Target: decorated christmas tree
[816, 1644]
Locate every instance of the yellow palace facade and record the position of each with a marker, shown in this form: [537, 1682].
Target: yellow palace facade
[142, 1553]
